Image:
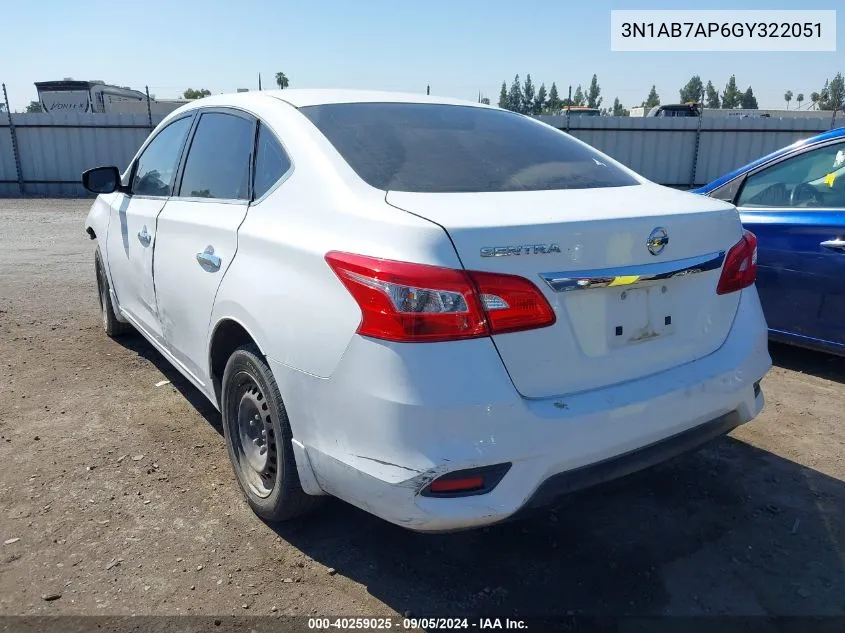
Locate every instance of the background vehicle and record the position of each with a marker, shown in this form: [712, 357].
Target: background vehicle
[675, 110]
[435, 310]
[794, 201]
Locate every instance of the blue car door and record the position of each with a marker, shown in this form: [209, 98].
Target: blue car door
[796, 207]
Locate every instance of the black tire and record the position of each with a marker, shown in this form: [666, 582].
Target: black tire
[255, 416]
[111, 325]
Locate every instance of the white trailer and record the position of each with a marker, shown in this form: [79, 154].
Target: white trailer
[96, 96]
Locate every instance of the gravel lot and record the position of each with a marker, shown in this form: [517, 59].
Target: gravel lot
[116, 496]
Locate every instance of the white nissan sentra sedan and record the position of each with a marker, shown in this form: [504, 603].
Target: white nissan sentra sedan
[438, 311]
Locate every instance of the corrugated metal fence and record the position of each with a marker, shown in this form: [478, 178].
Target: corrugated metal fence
[55, 149]
[686, 151]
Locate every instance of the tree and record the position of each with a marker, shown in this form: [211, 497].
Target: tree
[815, 97]
[692, 91]
[653, 98]
[515, 95]
[712, 96]
[34, 106]
[593, 92]
[799, 98]
[528, 96]
[578, 97]
[618, 109]
[749, 101]
[190, 93]
[282, 80]
[541, 101]
[503, 96]
[833, 94]
[732, 96]
[787, 96]
[485, 100]
[554, 98]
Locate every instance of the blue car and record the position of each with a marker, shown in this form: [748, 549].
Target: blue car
[794, 201]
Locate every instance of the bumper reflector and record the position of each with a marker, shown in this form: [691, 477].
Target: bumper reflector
[464, 483]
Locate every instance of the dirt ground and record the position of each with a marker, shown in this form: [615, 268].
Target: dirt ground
[116, 496]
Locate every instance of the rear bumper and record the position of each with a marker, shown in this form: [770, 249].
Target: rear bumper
[587, 476]
[393, 418]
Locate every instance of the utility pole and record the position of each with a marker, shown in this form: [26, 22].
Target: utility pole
[428, 90]
[259, 81]
[149, 111]
[13, 134]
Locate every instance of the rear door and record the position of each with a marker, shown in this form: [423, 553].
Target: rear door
[796, 207]
[132, 228]
[198, 231]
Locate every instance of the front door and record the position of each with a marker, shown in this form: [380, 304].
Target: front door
[796, 208]
[198, 233]
[132, 226]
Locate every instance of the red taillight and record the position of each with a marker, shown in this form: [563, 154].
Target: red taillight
[512, 303]
[407, 302]
[740, 269]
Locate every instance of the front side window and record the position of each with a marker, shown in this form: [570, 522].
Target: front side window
[218, 160]
[157, 164]
[422, 147]
[815, 178]
[271, 162]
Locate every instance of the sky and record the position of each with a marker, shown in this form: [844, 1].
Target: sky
[458, 47]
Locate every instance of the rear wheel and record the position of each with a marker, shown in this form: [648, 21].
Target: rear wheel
[111, 325]
[258, 438]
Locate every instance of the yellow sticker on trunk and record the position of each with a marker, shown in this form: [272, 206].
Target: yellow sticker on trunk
[624, 281]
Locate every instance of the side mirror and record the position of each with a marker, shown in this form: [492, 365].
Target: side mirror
[101, 179]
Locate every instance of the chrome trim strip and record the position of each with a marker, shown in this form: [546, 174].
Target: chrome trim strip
[630, 275]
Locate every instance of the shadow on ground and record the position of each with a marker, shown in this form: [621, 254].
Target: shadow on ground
[807, 361]
[138, 344]
[730, 529]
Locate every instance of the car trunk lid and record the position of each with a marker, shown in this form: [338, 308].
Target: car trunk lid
[624, 310]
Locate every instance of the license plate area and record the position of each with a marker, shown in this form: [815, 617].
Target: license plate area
[637, 315]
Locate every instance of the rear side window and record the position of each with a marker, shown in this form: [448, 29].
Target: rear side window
[421, 147]
[157, 164]
[219, 157]
[271, 162]
[727, 192]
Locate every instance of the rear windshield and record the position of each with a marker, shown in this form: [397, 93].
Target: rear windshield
[427, 148]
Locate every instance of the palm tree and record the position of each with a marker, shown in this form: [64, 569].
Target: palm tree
[815, 97]
[799, 99]
[282, 80]
[787, 97]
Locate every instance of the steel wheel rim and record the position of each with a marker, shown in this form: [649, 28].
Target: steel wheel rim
[253, 438]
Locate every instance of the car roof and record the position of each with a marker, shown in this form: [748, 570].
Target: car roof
[308, 97]
[302, 97]
[819, 138]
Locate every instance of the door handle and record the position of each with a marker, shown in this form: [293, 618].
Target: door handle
[208, 260]
[144, 237]
[837, 245]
